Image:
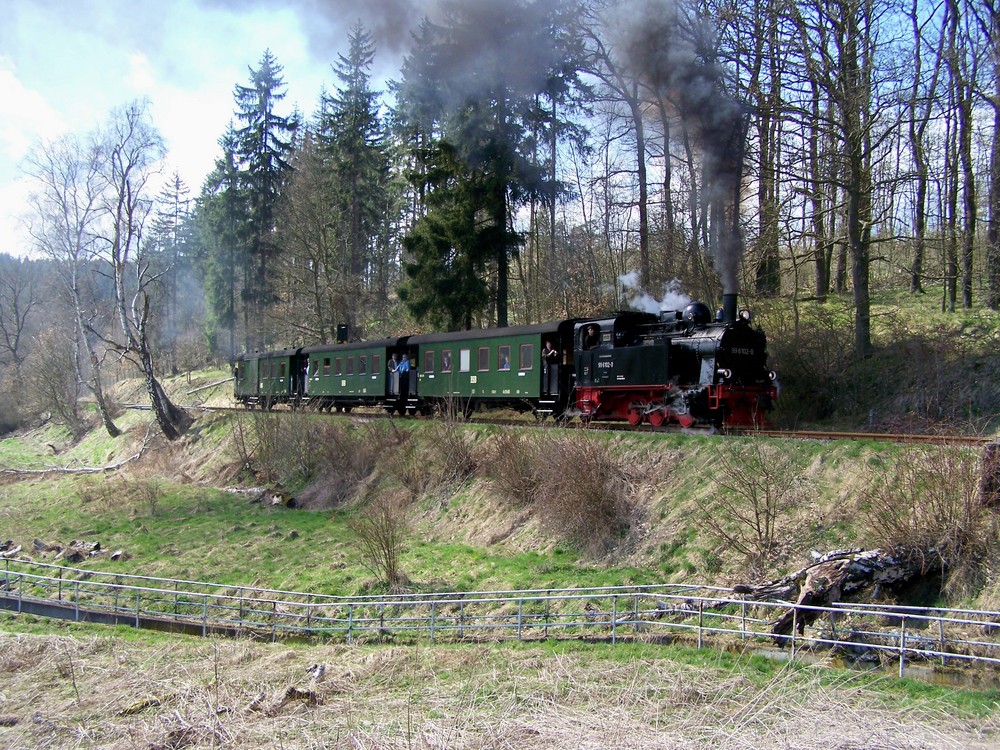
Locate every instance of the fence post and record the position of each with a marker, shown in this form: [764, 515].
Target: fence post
[635, 613]
[433, 616]
[614, 619]
[701, 619]
[461, 619]
[743, 619]
[520, 613]
[795, 627]
[136, 610]
[204, 615]
[944, 659]
[548, 602]
[274, 619]
[309, 611]
[902, 646]
[60, 584]
[350, 623]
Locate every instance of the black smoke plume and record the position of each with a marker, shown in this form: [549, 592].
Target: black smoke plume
[672, 49]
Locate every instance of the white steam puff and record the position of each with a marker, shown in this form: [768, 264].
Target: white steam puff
[672, 299]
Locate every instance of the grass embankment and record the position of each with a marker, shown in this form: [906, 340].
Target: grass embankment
[929, 370]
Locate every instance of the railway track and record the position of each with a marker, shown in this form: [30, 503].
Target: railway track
[885, 437]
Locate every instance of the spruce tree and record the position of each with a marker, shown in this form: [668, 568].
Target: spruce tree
[351, 132]
[478, 87]
[263, 145]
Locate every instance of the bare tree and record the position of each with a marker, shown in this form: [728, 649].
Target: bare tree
[382, 529]
[18, 297]
[66, 210]
[131, 147]
[988, 18]
[923, 99]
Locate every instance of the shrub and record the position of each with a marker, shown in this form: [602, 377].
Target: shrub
[584, 492]
[382, 527]
[296, 449]
[450, 459]
[757, 483]
[930, 502]
[513, 468]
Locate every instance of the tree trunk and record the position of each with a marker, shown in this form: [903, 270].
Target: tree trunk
[838, 575]
[95, 364]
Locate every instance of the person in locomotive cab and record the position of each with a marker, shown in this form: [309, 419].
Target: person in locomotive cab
[550, 367]
[591, 337]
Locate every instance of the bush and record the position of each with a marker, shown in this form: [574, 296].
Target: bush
[757, 485]
[450, 459]
[930, 502]
[382, 527]
[513, 468]
[297, 449]
[584, 493]
[11, 411]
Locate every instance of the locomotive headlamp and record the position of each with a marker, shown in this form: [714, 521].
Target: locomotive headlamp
[772, 375]
[724, 373]
[745, 316]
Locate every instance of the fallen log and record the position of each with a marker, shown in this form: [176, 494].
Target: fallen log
[838, 575]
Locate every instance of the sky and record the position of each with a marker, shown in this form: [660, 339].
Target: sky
[66, 64]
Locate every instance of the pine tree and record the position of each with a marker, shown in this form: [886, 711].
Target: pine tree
[351, 132]
[263, 145]
[464, 93]
[170, 238]
[221, 219]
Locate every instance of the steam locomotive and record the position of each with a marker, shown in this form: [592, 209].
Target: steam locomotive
[686, 367]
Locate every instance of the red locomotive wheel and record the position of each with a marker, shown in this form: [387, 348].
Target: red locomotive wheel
[635, 416]
[657, 418]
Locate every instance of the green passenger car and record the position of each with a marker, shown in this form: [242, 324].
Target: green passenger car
[496, 367]
[267, 378]
[342, 376]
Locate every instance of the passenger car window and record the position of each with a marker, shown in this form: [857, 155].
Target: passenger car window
[526, 357]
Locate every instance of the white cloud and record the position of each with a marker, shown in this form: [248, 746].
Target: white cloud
[25, 116]
[67, 66]
[140, 76]
[14, 238]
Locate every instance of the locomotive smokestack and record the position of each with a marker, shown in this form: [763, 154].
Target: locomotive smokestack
[729, 307]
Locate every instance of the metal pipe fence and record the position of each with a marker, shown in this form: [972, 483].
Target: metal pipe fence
[700, 614]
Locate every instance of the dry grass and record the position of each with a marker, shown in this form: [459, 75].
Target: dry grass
[930, 500]
[92, 692]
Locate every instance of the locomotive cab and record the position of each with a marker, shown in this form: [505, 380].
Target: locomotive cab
[613, 357]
